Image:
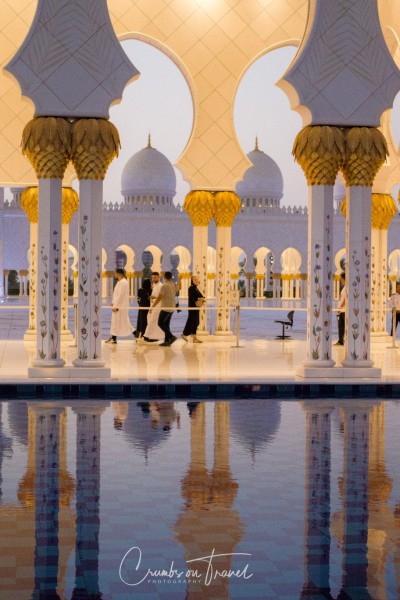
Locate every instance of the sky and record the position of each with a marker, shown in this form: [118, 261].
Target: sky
[159, 103]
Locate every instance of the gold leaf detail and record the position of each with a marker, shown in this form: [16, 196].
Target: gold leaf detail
[95, 143]
[319, 150]
[199, 206]
[46, 142]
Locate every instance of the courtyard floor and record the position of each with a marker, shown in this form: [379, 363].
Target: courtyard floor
[259, 359]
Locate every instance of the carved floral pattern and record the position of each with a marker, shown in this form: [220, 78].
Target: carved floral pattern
[55, 300]
[366, 316]
[32, 288]
[355, 291]
[83, 288]
[43, 302]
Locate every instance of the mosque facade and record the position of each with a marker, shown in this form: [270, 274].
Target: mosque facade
[147, 230]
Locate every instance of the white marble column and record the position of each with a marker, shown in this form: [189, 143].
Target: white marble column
[317, 539]
[383, 210]
[359, 170]
[88, 447]
[47, 497]
[260, 286]
[320, 152]
[355, 499]
[95, 144]
[29, 202]
[358, 277]
[199, 206]
[48, 314]
[224, 236]
[90, 275]
[226, 207]
[319, 295]
[66, 335]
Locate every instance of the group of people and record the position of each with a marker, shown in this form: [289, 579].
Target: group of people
[157, 303]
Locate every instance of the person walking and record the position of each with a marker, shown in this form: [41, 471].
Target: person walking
[120, 323]
[394, 302]
[342, 309]
[144, 294]
[195, 301]
[167, 300]
[153, 333]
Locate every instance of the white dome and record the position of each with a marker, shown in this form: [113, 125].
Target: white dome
[262, 180]
[339, 191]
[148, 172]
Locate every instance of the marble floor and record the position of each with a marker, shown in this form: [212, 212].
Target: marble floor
[260, 358]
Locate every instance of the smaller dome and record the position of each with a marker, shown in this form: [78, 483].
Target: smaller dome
[339, 192]
[262, 180]
[148, 172]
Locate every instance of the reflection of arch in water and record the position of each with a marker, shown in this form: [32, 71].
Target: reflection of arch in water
[211, 271]
[290, 263]
[264, 260]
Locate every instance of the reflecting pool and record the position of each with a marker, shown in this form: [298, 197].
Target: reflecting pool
[236, 499]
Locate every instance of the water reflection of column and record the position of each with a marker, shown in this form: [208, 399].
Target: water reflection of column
[318, 492]
[5, 447]
[46, 561]
[355, 500]
[87, 500]
[223, 490]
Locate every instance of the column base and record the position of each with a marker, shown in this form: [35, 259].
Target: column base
[338, 373]
[50, 363]
[381, 337]
[66, 336]
[30, 335]
[319, 364]
[357, 364]
[69, 373]
[98, 372]
[223, 333]
[90, 364]
[48, 372]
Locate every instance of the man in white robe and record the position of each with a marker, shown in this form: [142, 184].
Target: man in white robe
[120, 323]
[153, 332]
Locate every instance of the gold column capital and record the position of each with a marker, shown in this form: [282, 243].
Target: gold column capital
[365, 152]
[199, 206]
[226, 207]
[46, 142]
[30, 203]
[95, 143]
[383, 210]
[70, 203]
[319, 150]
